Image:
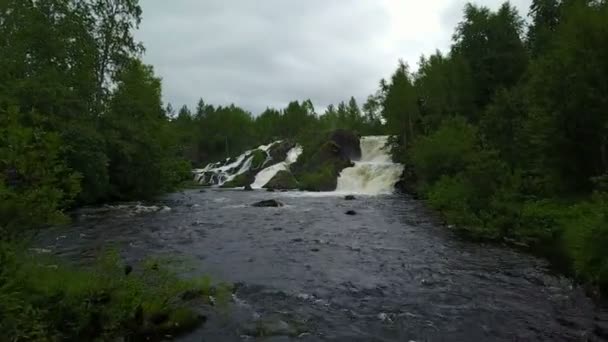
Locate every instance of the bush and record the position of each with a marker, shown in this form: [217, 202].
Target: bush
[585, 239]
[35, 183]
[445, 152]
[45, 300]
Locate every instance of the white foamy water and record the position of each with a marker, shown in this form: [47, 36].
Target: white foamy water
[266, 175]
[375, 173]
[221, 174]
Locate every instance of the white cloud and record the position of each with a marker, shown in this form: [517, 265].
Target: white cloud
[268, 52]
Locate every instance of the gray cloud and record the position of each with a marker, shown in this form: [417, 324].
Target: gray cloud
[265, 53]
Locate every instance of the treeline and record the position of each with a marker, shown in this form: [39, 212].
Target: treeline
[507, 133]
[81, 117]
[82, 120]
[209, 133]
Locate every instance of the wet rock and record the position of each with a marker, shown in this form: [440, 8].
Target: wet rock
[601, 329]
[278, 152]
[248, 188]
[128, 269]
[351, 213]
[314, 249]
[202, 191]
[268, 203]
[350, 146]
[270, 190]
[350, 197]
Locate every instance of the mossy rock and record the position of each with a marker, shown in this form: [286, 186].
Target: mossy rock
[320, 171]
[239, 181]
[349, 143]
[283, 180]
[324, 179]
[259, 159]
[278, 152]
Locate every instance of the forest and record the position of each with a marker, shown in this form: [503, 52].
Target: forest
[505, 134]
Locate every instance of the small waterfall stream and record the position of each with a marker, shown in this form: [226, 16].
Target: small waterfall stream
[375, 173]
[266, 175]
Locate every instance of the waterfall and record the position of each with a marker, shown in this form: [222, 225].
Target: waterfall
[222, 172]
[266, 175]
[375, 173]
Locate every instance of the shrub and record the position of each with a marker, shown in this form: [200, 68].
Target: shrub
[447, 151]
[45, 300]
[35, 183]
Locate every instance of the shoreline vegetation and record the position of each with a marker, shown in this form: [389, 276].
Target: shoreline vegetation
[505, 134]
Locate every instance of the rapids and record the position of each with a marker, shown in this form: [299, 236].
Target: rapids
[390, 273]
[375, 173]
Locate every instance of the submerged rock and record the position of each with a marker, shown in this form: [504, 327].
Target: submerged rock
[351, 213]
[283, 180]
[268, 203]
[350, 197]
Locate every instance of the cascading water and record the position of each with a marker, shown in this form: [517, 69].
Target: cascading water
[223, 172]
[266, 175]
[375, 173]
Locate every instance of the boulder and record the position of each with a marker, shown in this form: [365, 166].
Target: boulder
[268, 203]
[248, 188]
[349, 143]
[283, 180]
[259, 160]
[278, 152]
[319, 170]
[240, 181]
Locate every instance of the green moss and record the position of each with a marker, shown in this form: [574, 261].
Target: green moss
[259, 158]
[283, 180]
[239, 181]
[321, 170]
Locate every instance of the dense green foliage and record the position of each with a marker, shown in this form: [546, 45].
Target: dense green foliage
[81, 121]
[507, 134]
[41, 300]
[213, 133]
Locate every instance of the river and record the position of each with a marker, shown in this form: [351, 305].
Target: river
[389, 273]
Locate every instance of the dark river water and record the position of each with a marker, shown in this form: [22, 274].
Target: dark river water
[389, 273]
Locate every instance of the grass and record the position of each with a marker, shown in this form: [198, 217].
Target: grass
[42, 299]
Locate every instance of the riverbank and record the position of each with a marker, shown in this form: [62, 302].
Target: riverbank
[45, 298]
[570, 233]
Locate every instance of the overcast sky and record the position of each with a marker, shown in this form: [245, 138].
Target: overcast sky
[268, 52]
